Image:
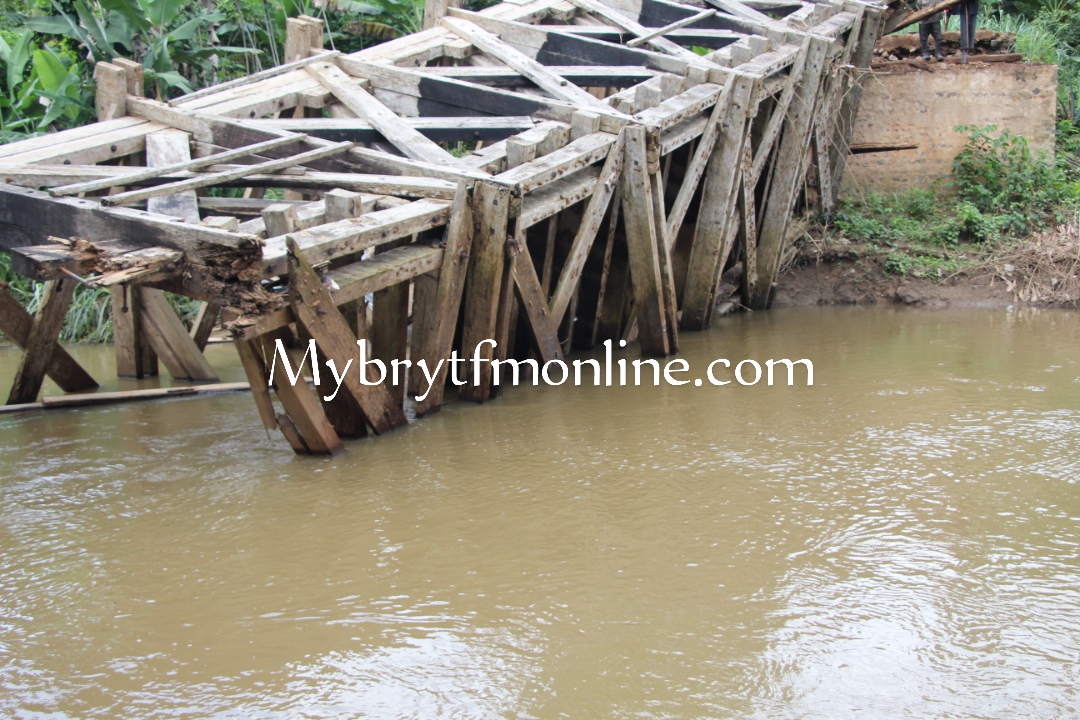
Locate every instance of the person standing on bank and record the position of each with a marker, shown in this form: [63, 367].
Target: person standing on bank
[930, 26]
[968, 11]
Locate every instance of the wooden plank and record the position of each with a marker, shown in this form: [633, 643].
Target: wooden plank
[161, 168]
[544, 78]
[642, 243]
[659, 43]
[442, 320]
[49, 141]
[223, 88]
[544, 327]
[556, 196]
[603, 190]
[605, 273]
[305, 424]
[580, 75]
[776, 121]
[903, 19]
[134, 356]
[576, 155]
[170, 339]
[788, 172]
[38, 349]
[667, 273]
[700, 157]
[641, 39]
[110, 94]
[491, 207]
[315, 310]
[718, 196]
[409, 141]
[165, 148]
[221, 177]
[345, 237]
[17, 324]
[111, 398]
[93, 149]
[437, 129]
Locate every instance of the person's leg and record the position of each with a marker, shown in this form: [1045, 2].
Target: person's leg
[964, 31]
[924, 33]
[935, 30]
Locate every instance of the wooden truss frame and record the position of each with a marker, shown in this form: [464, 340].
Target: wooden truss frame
[620, 173]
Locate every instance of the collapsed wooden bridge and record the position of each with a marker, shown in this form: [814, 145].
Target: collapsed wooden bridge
[547, 174]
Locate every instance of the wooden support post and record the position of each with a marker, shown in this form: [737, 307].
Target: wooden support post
[134, 356]
[111, 93]
[17, 324]
[389, 333]
[343, 205]
[643, 246]
[425, 289]
[788, 172]
[441, 323]
[316, 312]
[280, 219]
[133, 75]
[170, 339]
[605, 273]
[718, 195]
[204, 323]
[38, 350]
[305, 424]
[667, 273]
[435, 10]
[297, 41]
[491, 206]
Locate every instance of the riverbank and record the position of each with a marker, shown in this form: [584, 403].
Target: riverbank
[1040, 271]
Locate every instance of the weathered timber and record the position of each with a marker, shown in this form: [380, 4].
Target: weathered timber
[718, 196]
[450, 129]
[531, 297]
[304, 424]
[788, 172]
[165, 148]
[18, 324]
[491, 209]
[134, 356]
[41, 341]
[170, 339]
[644, 246]
[315, 310]
[441, 321]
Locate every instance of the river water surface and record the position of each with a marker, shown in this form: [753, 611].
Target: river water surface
[900, 540]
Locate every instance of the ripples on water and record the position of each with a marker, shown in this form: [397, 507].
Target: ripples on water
[898, 541]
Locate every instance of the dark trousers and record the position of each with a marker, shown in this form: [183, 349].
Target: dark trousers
[925, 31]
[969, 15]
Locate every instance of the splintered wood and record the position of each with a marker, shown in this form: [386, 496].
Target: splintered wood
[510, 184]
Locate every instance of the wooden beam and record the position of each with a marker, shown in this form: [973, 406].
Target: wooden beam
[641, 39]
[304, 424]
[130, 178]
[718, 195]
[603, 191]
[643, 245]
[221, 177]
[170, 339]
[442, 320]
[410, 142]
[663, 45]
[903, 19]
[134, 356]
[18, 324]
[315, 310]
[491, 209]
[38, 350]
[544, 78]
[788, 172]
[110, 97]
[544, 327]
[204, 323]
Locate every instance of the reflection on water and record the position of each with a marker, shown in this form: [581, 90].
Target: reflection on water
[899, 540]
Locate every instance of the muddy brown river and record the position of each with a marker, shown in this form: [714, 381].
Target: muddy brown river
[900, 540]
